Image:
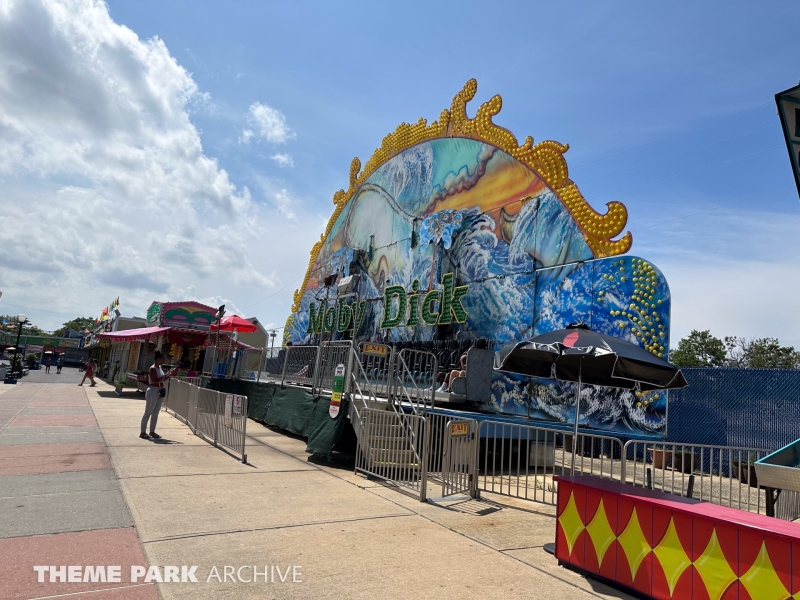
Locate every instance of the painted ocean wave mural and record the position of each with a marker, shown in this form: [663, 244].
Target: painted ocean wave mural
[465, 209]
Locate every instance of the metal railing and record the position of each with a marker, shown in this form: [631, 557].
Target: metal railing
[721, 475]
[178, 398]
[209, 360]
[219, 418]
[460, 458]
[300, 365]
[272, 364]
[330, 355]
[414, 378]
[521, 460]
[392, 449]
[249, 363]
[375, 362]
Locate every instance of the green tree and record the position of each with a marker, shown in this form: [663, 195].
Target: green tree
[699, 349]
[13, 324]
[760, 353]
[78, 324]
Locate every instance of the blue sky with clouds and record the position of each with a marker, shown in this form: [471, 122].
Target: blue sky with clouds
[667, 108]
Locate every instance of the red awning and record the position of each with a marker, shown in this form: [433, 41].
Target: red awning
[130, 335]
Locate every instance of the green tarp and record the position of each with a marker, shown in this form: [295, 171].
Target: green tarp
[291, 408]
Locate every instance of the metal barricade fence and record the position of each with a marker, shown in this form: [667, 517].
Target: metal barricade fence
[721, 475]
[299, 365]
[218, 417]
[331, 354]
[393, 449]
[209, 360]
[460, 458]
[272, 364]
[249, 363]
[178, 398]
[232, 423]
[414, 378]
[376, 365]
[521, 460]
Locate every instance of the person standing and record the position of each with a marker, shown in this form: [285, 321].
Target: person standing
[153, 397]
[59, 364]
[47, 364]
[89, 372]
[105, 368]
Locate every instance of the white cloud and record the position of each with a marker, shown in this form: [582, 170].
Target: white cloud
[283, 160]
[285, 204]
[247, 135]
[104, 175]
[269, 122]
[730, 271]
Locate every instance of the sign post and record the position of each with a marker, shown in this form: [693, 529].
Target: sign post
[336, 396]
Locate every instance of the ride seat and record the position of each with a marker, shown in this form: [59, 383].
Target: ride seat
[476, 386]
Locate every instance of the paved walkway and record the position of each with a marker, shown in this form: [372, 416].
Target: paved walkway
[60, 501]
[342, 536]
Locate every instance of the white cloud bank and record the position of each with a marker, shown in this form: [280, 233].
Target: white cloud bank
[104, 186]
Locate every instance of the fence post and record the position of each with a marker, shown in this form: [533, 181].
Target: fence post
[260, 362]
[624, 460]
[216, 418]
[320, 350]
[349, 369]
[285, 362]
[423, 488]
[244, 429]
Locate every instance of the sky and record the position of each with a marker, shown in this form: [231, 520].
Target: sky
[190, 150]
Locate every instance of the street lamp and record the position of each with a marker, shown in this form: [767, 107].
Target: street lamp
[22, 319]
[218, 317]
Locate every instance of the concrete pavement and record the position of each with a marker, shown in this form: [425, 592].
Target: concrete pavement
[60, 501]
[336, 533]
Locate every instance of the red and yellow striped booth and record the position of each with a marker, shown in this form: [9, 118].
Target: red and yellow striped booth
[665, 546]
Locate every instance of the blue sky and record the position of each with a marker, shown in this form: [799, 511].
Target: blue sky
[668, 109]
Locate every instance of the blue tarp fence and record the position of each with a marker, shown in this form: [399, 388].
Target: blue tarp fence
[755, 408]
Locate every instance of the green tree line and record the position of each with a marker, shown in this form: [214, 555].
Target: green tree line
[702, 349]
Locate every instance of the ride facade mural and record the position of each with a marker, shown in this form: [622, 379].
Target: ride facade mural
[455, 231]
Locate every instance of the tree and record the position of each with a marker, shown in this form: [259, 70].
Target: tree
[760, 353]
[699, 349]
[12, 326]
[77, 324]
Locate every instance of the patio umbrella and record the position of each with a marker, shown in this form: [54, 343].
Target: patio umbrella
[584, 356]
[234, 323]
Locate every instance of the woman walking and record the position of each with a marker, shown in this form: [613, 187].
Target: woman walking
[90, 366]
[153, 397]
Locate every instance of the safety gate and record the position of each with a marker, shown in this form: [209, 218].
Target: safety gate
[460, 458]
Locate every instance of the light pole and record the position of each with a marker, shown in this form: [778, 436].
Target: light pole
[22, 319]
[219, 315]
